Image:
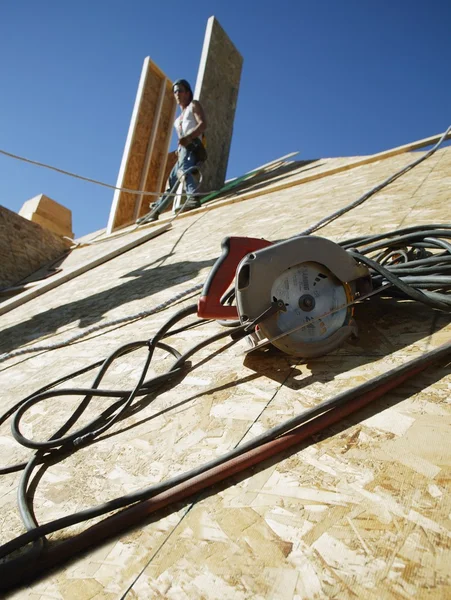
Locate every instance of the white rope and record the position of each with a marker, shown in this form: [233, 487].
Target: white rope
[95, 328]
[107, 185]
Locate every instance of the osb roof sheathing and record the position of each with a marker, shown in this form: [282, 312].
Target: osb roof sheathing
[360, 511]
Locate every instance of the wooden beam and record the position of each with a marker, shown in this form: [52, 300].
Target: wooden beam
[429, 141]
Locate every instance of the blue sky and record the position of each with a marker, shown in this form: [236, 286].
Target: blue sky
[327, 78]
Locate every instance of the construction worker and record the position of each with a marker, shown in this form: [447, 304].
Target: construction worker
[190, 125]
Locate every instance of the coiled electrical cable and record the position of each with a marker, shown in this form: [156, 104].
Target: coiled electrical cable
[61, 444]
[414, 263]
[314, 418]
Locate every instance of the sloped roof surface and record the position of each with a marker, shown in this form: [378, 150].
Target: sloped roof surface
[363, 510]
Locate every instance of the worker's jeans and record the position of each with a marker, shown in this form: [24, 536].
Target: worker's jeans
[186, 159]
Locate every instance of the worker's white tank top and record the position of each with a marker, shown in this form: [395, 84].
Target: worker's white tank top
[186, 121]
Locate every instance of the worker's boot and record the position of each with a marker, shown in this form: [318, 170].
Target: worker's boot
[150, 217]
[153, 215]
[191, 203]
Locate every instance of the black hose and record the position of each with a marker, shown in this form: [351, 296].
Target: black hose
[59, 447]
[350, 243]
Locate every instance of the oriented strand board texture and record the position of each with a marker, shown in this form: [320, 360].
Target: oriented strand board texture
[217, 86]
[361, 511]
[155, 178]
[25, 247]
[147, 124]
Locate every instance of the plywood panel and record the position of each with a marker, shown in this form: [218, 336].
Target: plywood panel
[155, 176]
[146, 146]
[217, 85]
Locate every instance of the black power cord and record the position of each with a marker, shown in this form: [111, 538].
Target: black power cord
[61, 444]
[413, 263]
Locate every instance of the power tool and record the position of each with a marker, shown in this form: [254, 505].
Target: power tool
[296, 294]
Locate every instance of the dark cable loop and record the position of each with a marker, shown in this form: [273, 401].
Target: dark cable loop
[58, 447]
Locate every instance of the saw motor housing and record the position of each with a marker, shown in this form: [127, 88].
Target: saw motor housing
[316, 279]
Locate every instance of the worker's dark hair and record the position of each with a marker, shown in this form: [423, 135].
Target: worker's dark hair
[185, 84]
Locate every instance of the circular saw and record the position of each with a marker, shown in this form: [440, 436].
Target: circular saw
[298, 293]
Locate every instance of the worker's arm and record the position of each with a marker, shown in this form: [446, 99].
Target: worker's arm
[199, 115]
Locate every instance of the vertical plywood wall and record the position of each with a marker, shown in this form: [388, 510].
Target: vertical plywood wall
[217, 85]
[146, 148]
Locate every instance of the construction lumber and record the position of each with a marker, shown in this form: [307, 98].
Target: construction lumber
[217, 86]
[146, 148]
[49, 214]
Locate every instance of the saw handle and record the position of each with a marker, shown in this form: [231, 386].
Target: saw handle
[234, 249]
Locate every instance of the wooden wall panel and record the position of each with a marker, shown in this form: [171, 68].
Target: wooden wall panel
[155, 176]
[217, 85]
[146, 147]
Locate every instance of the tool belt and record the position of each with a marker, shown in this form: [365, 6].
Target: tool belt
[198, 149]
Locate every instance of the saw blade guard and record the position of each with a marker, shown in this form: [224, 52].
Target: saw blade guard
[316, 280]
